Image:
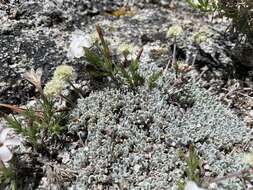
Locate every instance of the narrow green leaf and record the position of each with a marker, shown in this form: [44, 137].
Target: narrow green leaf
[193, 165]
[134, 66]
[92, 57]
[124, 74]
[14, 124]
[153, 78]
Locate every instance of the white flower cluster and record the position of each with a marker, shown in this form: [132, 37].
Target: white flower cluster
[62, 74]
[79, 40]
[5, 153]
[174, 31]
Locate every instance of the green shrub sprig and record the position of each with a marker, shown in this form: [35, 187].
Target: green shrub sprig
[102, 65]
[37, 126]
[240, 12]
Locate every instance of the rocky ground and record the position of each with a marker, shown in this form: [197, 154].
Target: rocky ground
[37, 34]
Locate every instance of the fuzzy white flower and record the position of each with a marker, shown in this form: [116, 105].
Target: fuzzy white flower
[125, 48]
[79, 40]
[64, 72]
[248, 159]
[54, 88]
[174, 31]
[190, 185]
[5, 153]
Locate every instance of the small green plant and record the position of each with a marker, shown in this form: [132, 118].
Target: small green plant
[99, 67]
[193, 165]
[204, 5]
[193, 169]
[180, 68]
[174, 31]
[153, 78]
[131, 73]
[240, 12]
[37, 126]
[181, 184]
[7, 176]
[102, 65]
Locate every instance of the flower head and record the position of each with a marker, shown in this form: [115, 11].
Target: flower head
[79, 40]
[5, 153]
[248, 159]
[34, 77]
[174, 31]
[190, 185]
[54, 88]
[125, 48]
[64, 72]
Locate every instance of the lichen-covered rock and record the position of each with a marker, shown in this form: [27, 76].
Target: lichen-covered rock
[133, 136]
[37, 34]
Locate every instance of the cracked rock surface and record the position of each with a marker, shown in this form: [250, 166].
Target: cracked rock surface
[36, 34]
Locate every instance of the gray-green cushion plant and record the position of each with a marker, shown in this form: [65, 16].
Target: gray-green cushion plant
[133, 137]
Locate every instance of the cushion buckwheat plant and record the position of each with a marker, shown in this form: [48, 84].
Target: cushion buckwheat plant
[133, 137]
